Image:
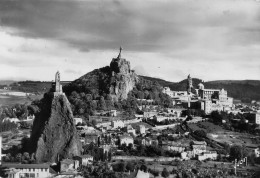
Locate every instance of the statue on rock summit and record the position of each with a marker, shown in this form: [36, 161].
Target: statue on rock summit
[54, 135]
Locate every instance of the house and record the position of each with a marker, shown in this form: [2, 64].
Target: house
[30, 118]
[149, 114]
[14, 120]
[141, 129]
[130, 129]
[77, 121]
[207, 155]
[255, 150]
[26, 170]
[91, 137]
[84, 160]
[142, 174]
[160, 118]
[117, 124]
[199, 146]
[126, 139]
[146, 141]
[139, 116]
[113, 113]
[67, 165]
[255, 118]
[175, 112]
[172, 146]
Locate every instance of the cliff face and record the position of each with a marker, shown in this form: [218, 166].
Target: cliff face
[123, 79]
[54, 133]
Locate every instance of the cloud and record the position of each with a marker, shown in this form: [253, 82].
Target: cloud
[140, 70]
[71, 71]
[138, 26]
[181, 36]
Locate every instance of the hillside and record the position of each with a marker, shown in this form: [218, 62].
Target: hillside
[243, 90]
[249, 82]
[112, 87]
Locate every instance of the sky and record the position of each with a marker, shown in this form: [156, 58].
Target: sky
[168, 39]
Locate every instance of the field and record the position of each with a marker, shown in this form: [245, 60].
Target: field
[8, 98]
[13, 138]
[136, 125]
[217, 133]
[208, 127]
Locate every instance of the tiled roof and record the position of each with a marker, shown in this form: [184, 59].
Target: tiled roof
[25, 166]
[125, 136]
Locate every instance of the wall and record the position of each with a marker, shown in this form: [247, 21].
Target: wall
[158, 159]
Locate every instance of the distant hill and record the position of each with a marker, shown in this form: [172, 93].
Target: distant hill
[249, 82]
[39, 87]
[159, 81]
[6, 82]
[245, 90]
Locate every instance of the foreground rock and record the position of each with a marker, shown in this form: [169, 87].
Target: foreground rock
[54, 134]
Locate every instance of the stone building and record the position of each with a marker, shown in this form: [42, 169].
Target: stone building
[126, 139]
[26, 170]
[117, 124]
[84, 160]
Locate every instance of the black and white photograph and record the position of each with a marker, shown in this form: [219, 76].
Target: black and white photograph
[129, 88]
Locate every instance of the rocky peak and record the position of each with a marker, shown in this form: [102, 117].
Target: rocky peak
[123, 79]
[120, 65]
[54, 135]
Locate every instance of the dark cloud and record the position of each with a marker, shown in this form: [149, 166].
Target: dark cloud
[138, 26]
[182, 35]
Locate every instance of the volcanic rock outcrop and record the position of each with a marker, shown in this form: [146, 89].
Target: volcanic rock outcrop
[116, 80]
[54, 135]
[123, 79]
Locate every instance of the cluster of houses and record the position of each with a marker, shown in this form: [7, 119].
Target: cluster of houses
[17, 121]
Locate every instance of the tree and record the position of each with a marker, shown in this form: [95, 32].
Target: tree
[237, 152]
[130, 166]
[165, 173]
[216, 116]
[102, 103]
[121, 166]
[200, 133]
[94, 122]
[143, 168]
